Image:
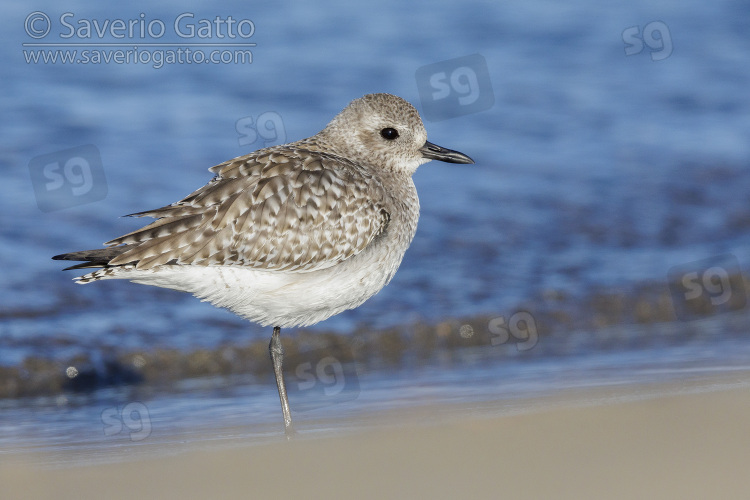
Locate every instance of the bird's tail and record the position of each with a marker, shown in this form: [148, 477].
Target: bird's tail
[98, 258]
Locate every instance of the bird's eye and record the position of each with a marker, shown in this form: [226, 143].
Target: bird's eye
[389, 133]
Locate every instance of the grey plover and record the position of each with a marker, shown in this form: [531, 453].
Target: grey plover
[289, 235]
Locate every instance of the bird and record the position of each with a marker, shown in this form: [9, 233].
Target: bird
[288, 235]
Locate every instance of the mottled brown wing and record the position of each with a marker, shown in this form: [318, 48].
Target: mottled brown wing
[280, 208]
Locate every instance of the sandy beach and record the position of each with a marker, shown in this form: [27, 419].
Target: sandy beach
[670, 441]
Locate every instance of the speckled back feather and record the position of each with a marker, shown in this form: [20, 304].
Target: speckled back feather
[280, 208]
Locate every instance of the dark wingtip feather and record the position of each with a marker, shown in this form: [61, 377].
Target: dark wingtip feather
[82, 265]
[93, 258]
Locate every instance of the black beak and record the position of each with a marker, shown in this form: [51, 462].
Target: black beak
[435, 152]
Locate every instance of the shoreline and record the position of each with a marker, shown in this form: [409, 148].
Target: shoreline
[670, 440]
[605, 322]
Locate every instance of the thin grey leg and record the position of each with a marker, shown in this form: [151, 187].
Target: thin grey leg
[277, 357]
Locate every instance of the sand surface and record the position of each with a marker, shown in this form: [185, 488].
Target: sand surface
[673, 442]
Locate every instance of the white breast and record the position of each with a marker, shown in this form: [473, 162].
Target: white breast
[284, 299]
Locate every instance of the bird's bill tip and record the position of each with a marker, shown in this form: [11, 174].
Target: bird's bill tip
[434, 152]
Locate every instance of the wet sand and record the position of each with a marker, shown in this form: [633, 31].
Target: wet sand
[670, 441]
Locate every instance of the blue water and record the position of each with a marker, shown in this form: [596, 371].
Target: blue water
[593, 168]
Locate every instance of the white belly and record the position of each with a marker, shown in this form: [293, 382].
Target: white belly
[277, 298]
